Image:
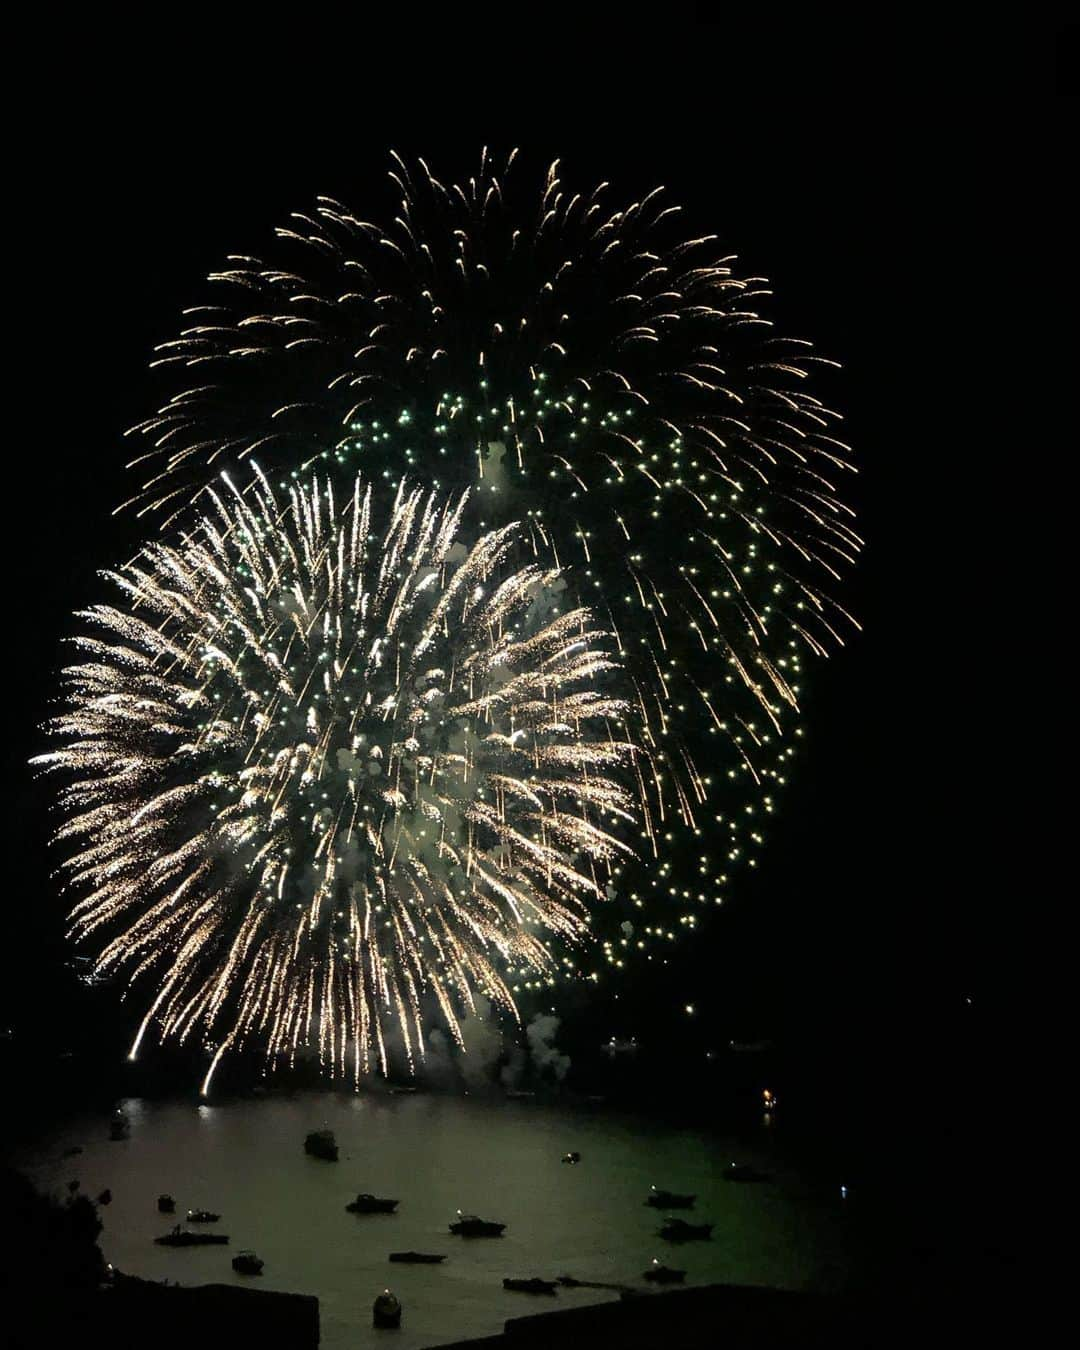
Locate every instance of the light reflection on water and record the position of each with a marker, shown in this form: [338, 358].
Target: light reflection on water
[437, 1154]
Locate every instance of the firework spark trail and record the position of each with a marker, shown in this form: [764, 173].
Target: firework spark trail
[315, 772]
[593, 370]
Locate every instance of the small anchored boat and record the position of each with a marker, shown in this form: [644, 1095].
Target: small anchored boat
[417, 1258]
[571, 1157]
[678, 1230]
[468, 1225]
[669, 1200]
[371, 1204]
[531, 1286]
[202, 1216]
[743, 1172]
[658, 1274]
[322, 1144]
[166, 1204]
[386, 1311]
[179, 1237]
[247, 1263]
[569, 1282]
[119, 1126]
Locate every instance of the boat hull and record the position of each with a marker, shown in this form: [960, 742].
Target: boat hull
[530, 1286]
[687, 1233]
[321, 1145]
[666, 1200]
[192, 1240]
[665, 1276]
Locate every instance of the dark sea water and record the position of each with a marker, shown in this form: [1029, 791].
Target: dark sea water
[437, 1154]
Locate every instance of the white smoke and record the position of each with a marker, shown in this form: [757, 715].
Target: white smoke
[487, 1045]
[547, 1058]
[493, 469]
[448, 1064]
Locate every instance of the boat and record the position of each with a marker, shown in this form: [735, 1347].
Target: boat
[417, 1258]
[371, 1204]
[532, 1286]
[678, 1230]
[518, 1095]
[571, 1157]
[321, 1144]
[166, 1204]
[247, 1263]
[180, 1237]
[202, 1216]
[105, 1198]
[743, 1172]
[615, 1046]
[119, 1126]
[386, 1311]
[468, 1225]
[402, 1089]
[669, 1200]
[658, 1274]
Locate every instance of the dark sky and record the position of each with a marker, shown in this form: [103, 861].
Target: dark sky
[869, 181]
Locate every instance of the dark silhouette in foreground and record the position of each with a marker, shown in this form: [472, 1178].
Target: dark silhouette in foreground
[60, 1292]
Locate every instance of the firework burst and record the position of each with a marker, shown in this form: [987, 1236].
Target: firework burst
[318, 769]
[598, 374]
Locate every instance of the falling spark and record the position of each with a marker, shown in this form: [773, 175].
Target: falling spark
[319, 771]
[603, 374]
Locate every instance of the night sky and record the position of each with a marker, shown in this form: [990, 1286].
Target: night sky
[868, 185]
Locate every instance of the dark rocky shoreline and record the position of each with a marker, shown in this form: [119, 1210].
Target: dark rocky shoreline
[741, 1317]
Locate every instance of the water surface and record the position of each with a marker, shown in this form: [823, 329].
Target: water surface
[437, 1154]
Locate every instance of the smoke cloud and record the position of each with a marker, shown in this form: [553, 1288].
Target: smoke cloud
[547, 1058]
